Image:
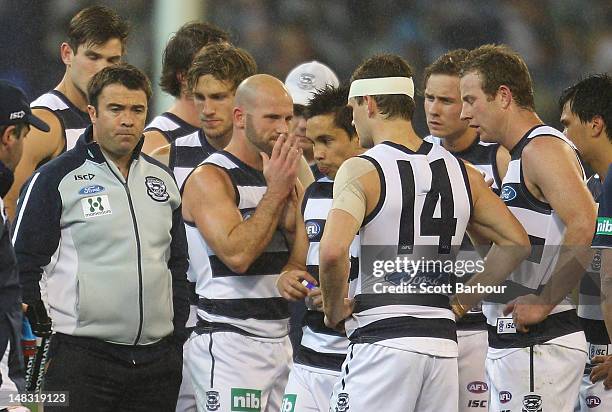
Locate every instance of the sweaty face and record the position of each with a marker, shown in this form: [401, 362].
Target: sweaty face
[331, 144]
[575, 130]
[119, 119]
[443, 106]
[267, 121]
[90, 59]
[480, 110]
[214, 100]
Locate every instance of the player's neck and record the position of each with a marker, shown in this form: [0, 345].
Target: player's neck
[184, 109]
[516, 126]
[459, 144]
[602, 161]
[397, 131]
[219, 143]
[244, 150]
[72, 93]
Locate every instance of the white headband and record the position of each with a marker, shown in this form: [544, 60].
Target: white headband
[382, 85]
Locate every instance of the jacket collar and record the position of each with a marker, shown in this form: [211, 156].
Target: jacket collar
[92, 148]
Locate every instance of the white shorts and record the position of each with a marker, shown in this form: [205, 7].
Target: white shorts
[186, 397]
[473, 388]
[232, 372]
[593, 397]
[377, 378]
[556, 376]
[308, 389]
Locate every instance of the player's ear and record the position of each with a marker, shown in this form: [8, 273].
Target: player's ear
[372, 106]
[597, 126]
[505, 96]
[239, 117]
[66, 53]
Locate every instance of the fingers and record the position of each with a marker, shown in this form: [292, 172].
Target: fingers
[276, 150]
[598, 373]
[509, 307]
[599, 359]
[307, 276]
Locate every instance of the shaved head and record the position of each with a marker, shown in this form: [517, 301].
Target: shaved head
[259, 88]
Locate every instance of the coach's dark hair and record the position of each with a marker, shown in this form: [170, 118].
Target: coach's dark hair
[182, 48]
[124, 74]
[96, 25]
[224, 62]
[449, 63]
[387, 65]
[498, 65]
[332, 100]
[591, 97]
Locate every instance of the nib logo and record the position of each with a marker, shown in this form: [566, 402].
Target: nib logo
[246, 400]
[604, 226]
[288, 404]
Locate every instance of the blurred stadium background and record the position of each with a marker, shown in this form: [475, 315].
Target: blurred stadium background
[561, 40]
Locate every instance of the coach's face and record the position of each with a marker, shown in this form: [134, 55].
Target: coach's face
[480, 110]
[119, 119]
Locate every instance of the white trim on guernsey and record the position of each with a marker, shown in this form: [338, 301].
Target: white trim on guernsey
[23, 207]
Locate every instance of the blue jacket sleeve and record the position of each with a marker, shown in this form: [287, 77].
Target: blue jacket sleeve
[36, 231]
[178, 265]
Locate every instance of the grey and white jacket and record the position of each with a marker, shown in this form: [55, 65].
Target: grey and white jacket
[113, 251]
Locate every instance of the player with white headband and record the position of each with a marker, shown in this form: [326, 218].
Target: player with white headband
[407, 199]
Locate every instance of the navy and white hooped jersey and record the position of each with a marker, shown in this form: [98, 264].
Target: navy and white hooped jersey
[73, 120]
[186, 153]
[420, 219]
[546, 231]
[322, 347]
[246, 303]
[170, 126]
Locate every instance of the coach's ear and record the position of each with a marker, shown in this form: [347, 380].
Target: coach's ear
[7, 136]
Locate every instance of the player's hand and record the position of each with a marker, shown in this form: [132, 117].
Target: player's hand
[315, 298]
[281, 168]
[335, 319]
[527, 310]
[289, 284]
[602, 370]
[39, 319]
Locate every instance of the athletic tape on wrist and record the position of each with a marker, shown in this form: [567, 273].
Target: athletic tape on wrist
[382, 85]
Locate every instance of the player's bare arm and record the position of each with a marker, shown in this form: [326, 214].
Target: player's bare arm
[356, 192]
[289, 283]
[37, 146]
[154, 139]
[161, 154]
[209, 201]
[492, 221]
[552, 173]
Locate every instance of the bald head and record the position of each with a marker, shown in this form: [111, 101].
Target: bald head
[257, 89]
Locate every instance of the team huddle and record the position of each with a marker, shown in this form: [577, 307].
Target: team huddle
[296, 246]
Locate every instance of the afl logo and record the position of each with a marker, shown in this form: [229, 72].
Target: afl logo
[505, 396]
[508, 193]
[477, 387]
[593, 401]
[312, 229]
[90, 190]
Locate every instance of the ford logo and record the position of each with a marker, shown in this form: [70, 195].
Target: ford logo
[477, 387]
[508, 193]
[312, 229]
[90, 190]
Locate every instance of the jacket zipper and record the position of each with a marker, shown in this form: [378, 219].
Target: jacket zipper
[138, 250]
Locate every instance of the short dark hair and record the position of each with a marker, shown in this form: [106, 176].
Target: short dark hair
[332, 100]
[590, 97]
[499, 65]
[18, 128]
[224, 62]
[449, 63]
[182, 48]
[96, 25]
[124, 74]
[387, 65]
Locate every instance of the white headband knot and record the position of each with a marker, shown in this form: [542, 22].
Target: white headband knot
[382, 85]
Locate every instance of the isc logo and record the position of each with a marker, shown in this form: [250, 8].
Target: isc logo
[477, 387]
[475, 403]
[505, 396]
[593, 401]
